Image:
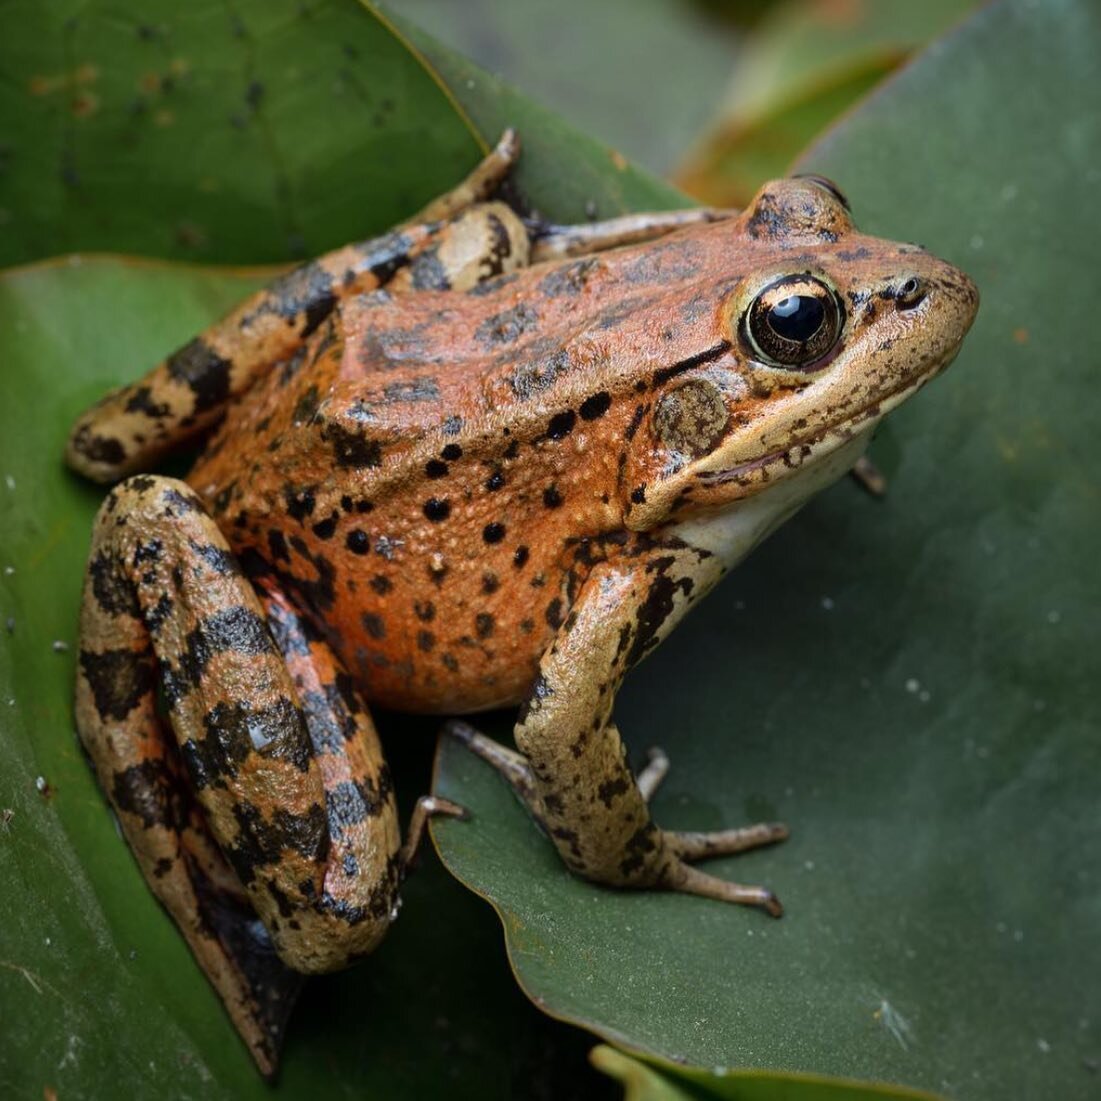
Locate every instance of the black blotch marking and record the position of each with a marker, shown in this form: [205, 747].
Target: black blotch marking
[357, 541]
[261, 843]
[299, 500]
[236, 629]
[716, 351]
[351, 449]
[306, 407]
[594, 407]
[118, 680]
[436, 469]
[306, 290]
[507, 326]
[552, 498]
[553, 614]
[203, 371]
[110, 585]
[350, 804]
[235, 730]
[154, 618]
[638, 845]
[561, 425]
[656, 608]
[151, 791]
[638, 495]
[452, 452]
[426, 640]
[420, 388]
[534, 376]
[324, 529]
[425, 610]
[277, 545]
[493, 533]
[141, 401]
[373, 625]
[490, 582]
[100, 449]
[381, 584]
[495, 481]
[437, 509]
[567, 280]
[219, 559]
[520, 557]
[610, 789]
[428, 272]
[484, 624]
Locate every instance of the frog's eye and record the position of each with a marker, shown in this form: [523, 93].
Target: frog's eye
[794, 322]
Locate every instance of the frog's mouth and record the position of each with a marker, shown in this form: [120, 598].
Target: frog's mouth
[755, 474]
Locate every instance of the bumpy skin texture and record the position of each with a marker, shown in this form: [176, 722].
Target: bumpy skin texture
[447, 480]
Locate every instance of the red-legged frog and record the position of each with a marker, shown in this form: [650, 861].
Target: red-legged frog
[469, 464]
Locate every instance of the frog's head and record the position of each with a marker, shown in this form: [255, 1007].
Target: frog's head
[818, 332]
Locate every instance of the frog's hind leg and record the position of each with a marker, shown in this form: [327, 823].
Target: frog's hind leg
[134, 427]
[293, 821]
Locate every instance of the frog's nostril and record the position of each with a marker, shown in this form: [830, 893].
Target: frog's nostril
[910, 293]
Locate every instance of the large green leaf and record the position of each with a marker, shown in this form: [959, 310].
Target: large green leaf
[240, 132]
[911, 683]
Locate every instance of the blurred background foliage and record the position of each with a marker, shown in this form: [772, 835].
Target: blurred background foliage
[717, 95]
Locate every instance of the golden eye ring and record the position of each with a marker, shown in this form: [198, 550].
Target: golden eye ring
[794, 322]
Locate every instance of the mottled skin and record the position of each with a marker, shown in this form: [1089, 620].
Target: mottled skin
[504, 488]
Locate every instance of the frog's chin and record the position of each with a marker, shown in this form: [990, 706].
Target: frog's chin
[817, 451]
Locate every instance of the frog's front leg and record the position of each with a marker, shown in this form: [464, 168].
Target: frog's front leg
[268, 796]
[574, 773]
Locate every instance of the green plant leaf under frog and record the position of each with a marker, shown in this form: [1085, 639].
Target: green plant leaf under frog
[910, 683]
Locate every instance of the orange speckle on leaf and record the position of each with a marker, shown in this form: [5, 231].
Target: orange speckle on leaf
[618, 159]
[149, 82]
[86, 73]
[1020, 336]
[164, 118]
[178, 66]
[840, 12]
[42, 85]
[84, 104]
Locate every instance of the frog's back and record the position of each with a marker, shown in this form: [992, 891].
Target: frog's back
[392, 380]
[431, 478]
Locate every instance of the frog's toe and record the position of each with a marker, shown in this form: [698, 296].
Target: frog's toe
[702, 846]
[692, 881]
[511, 765]
[651, 777]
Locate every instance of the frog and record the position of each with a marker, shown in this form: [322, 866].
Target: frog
[480, 461]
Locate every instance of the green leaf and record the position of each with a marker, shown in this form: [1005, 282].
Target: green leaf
[910, 683]
[654, 1080]
[563, 173]
[239, 132]
[641, 74]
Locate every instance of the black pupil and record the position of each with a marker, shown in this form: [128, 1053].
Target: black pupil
[797, 317]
